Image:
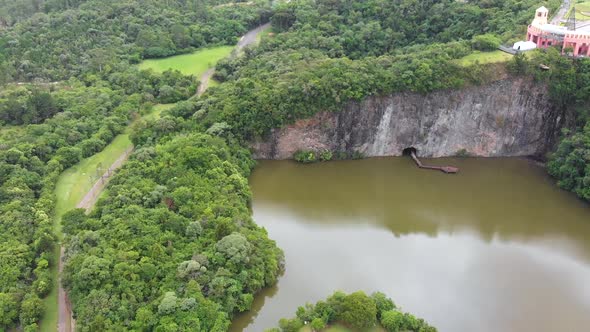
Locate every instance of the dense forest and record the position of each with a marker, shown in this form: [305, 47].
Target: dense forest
[105, 36]
[48, 127]
[357, 311]
[322, 60]
[171, 245]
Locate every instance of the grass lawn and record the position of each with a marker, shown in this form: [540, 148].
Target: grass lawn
[195, 63]
[484, 57]
[213, 82]
[77, 180]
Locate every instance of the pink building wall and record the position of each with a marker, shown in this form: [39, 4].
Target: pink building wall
[578, 41]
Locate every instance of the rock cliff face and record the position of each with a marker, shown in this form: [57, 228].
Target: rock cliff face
[512, 117]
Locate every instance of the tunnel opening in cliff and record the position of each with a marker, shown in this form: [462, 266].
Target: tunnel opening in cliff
[408, 151]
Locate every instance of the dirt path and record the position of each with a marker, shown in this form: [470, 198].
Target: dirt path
[66, 322]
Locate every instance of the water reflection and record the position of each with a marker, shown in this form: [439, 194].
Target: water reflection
[494, 248]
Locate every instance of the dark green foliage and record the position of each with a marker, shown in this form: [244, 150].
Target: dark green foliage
[358, 29]
[487, 42]
[172, 245]
[570, 164]
[103, 37]
[305, 157]
[357, 311]
[30, 164]
[396, 321]
[569, 88]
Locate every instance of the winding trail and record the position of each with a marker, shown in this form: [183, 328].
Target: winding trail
[66, 321]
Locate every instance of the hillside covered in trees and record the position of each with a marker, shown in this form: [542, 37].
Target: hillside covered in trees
[172, 245]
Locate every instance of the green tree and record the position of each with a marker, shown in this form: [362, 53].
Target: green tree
[358, 311]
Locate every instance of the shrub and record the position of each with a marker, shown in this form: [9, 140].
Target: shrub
[487, 42]
[326, 155]
[358, 311]
[304, 156]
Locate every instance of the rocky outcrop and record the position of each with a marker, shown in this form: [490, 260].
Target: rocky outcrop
[512, 117]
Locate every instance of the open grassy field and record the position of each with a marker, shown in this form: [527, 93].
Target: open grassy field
[484, 57]
[195, 63]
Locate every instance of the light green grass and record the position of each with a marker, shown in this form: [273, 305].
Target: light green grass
[581, 7]
[213, 82]
[157, 111]
[484, 57]
[77, 180]
[195, 63]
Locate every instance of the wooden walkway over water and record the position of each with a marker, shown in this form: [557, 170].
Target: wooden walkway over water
[446, 169]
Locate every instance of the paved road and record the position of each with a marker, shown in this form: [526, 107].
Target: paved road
[248, 39]
[565, 6]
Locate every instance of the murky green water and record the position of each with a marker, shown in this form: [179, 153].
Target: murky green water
[496, 247]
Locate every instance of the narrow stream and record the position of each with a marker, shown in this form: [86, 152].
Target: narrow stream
[497, 247]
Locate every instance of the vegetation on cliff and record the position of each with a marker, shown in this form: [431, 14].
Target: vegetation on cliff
[356, 312]
[569, 88]
[329, 53]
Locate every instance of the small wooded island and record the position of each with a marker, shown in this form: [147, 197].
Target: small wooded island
[130, 132]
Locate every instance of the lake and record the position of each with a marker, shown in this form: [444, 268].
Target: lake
[497, 247]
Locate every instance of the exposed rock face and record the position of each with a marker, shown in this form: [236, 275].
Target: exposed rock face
[511, 117]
